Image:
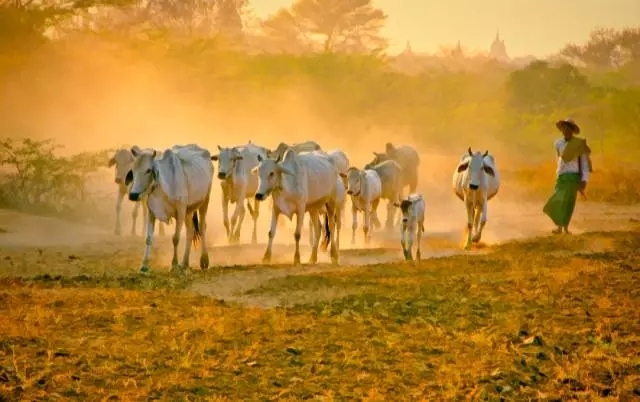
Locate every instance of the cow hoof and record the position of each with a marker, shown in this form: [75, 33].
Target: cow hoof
[144, 269]
[267, 257]
[204, 261]
[335, 260]
[418, 256]
[254, 239]
[296, 258]
[467, 246]
[314, 257]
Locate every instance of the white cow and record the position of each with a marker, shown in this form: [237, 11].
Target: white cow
[365, 189]
[300, 183]
[238, 184]
[413, 210]
[177, 185]
[123, 161]
[476, 181]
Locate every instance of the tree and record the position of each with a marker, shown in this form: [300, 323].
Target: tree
[605, 49]
[330, 26]
[540, 88]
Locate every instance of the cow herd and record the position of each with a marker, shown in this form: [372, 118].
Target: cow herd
[299, 179]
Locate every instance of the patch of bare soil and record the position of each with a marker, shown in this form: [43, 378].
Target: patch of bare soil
[507, 221]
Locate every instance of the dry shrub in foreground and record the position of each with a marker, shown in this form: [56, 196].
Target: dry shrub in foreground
[611, 183]
[536, 319]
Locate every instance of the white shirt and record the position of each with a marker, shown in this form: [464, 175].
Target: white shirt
[571, 166]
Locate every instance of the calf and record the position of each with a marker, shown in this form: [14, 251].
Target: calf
[413, 210]
[476, 181]
[390, 175]
[365, 189]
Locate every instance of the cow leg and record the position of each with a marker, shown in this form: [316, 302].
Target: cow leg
[419, 240]
[161, 229]
[239, 214]
[366, 224]
[314, 223]
[176, 239]
[225, 213]
[204, 251]
[234, 222]
[332, 212]
[254, 216]
[134, 217]
[118, 230]
[403, 241]
[483, 221]
[375, 222]
[411, 233]
[470, 216]
[272, 234]
[296, 234]
[190, 229]
[354, 224]
[339, 216]
[312, 236]
[391, 210]
[151, 223]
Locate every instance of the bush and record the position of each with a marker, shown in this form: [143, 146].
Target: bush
[34, 179]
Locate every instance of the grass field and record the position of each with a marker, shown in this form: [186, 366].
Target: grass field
[551, 318]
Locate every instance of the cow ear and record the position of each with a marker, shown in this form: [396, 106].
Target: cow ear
[129, 178]
[285, 170]
[463, 167]
[215, 157]
[342, 175]
[488, 170]
[112, 161]
[135, 151]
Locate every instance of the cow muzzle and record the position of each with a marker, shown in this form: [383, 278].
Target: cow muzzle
[350, 192]
[260, 196]
[473, 186]
[134, 196]
[222, 175]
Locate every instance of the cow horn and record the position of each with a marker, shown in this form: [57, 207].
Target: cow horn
[485, 153]
[470, 153]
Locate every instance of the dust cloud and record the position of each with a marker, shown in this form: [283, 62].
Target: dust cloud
[95, 98]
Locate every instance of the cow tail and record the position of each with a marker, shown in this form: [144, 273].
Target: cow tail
[196, 229]
[327, 231]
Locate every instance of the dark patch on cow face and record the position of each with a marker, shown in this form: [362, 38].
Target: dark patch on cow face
[463, 167]
[128, 178]
[488, 170]
[404, 206]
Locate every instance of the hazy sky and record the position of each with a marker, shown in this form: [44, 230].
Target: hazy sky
[537, 27]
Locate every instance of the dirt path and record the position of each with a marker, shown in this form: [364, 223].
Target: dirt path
[507, 221]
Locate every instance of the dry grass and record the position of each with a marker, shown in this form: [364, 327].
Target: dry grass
[552, 318]
[611, 182]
